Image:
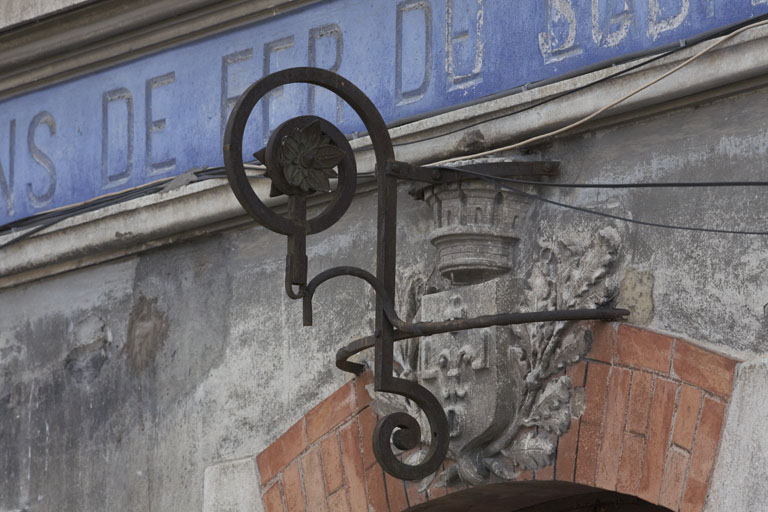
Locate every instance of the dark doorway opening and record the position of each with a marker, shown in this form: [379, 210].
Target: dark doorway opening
[537, 497]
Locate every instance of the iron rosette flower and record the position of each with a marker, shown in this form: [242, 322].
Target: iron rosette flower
[308, 158]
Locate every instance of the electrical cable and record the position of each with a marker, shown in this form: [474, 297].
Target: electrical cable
[669, 184]
[683, 44]
[614, 103]
[48, 218]
[535, 105]
[495, 180]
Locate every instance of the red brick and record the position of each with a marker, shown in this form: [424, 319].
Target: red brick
[294, 494]
[273, 499]
[589, 445]
[604, 340]
[577, 372]
[674, 478]
[707, 370]
[644, 349]
[333, 469]
[368, 422]
[277, 455]
[314, 483]
[687, 416]
[631, 466]
[566, 452]
[639, 402]
[596, 389]
[412, 493]
[659, 427]
[352, 460]
[362, 397]
[395, 493]
[331, 412]
[546, 473]
[694, 496]
[613, 429]
[377, 494]
[703, 458]
[338, 502]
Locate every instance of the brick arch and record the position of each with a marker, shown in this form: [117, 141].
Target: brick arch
[653, 413]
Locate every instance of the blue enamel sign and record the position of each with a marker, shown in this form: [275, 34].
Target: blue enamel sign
[162, 114]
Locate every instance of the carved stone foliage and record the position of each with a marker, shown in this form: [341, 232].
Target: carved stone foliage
[502, 388]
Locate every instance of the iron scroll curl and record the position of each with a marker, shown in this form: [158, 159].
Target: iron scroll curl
[399, 429]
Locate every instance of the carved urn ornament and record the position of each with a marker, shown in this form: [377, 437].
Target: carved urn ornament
[300, 157]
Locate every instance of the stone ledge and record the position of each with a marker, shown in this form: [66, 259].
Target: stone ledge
[96, 35]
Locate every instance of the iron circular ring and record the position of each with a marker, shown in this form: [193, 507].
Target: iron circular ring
[345, 189]
[233, 141]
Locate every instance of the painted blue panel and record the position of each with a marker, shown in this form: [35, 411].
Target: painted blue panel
[162, 114]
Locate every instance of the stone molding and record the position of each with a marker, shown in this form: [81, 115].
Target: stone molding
[96, 35]
[653, 415]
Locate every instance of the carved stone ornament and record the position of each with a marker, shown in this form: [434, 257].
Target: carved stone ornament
[476, 225]
[502, 388]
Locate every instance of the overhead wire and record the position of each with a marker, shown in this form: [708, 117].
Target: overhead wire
[668, 184]
[612, 104]
[555, 97]
[679, 46]
[504, 183]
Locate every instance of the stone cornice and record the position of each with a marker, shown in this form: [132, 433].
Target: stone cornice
[100, 34]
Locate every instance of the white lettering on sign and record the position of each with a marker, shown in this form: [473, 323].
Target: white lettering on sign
[558, 42]
[409, 10]
[6, 181]
[156, 125]
[111, 125]
[228, 100]
[272, 50]
[41, 200]
[456, 42]
[316, 37]
[658, 24]
[600, 29]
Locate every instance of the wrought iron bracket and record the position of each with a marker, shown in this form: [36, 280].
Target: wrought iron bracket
[300, 156]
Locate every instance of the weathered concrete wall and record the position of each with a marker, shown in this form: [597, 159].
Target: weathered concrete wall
[121, 383]
[705, 286]
[738, 482]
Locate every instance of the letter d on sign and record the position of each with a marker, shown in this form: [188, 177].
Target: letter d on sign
[415, 94]
[115, 95]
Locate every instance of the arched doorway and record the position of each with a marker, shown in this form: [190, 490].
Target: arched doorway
[537, 497]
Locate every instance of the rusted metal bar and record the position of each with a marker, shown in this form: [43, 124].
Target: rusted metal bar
[430, 328]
